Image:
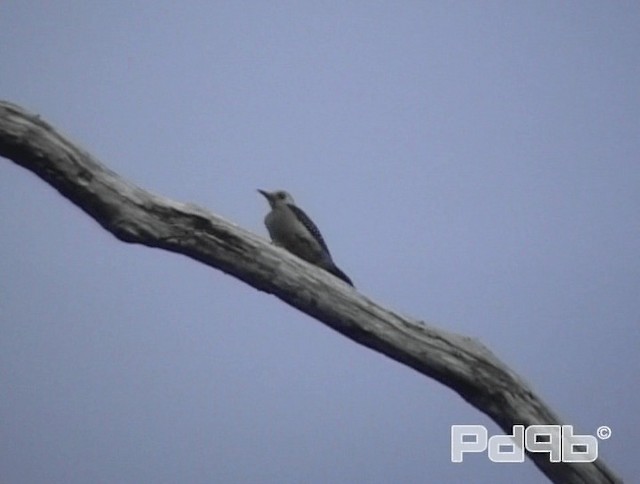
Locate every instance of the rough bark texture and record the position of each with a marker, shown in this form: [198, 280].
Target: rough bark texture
[138, 216]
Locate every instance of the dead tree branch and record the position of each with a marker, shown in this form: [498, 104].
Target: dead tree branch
[137, 216]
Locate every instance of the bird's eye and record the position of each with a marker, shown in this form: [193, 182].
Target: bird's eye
[281, 195]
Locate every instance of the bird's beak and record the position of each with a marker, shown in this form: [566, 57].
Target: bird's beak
[267, 195]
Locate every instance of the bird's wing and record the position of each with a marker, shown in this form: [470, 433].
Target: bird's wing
[310, 226]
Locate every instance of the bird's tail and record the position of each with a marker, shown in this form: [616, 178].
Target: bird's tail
[339, 274]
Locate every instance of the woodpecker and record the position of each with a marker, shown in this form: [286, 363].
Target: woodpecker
[291, 228]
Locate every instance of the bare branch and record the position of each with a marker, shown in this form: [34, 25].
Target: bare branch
[137, 216]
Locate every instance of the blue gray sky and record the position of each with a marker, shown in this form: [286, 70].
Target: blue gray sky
[472, 164]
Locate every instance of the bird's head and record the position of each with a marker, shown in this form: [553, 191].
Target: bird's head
[277, 197]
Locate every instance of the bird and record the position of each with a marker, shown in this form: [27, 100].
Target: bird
[289, 227]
